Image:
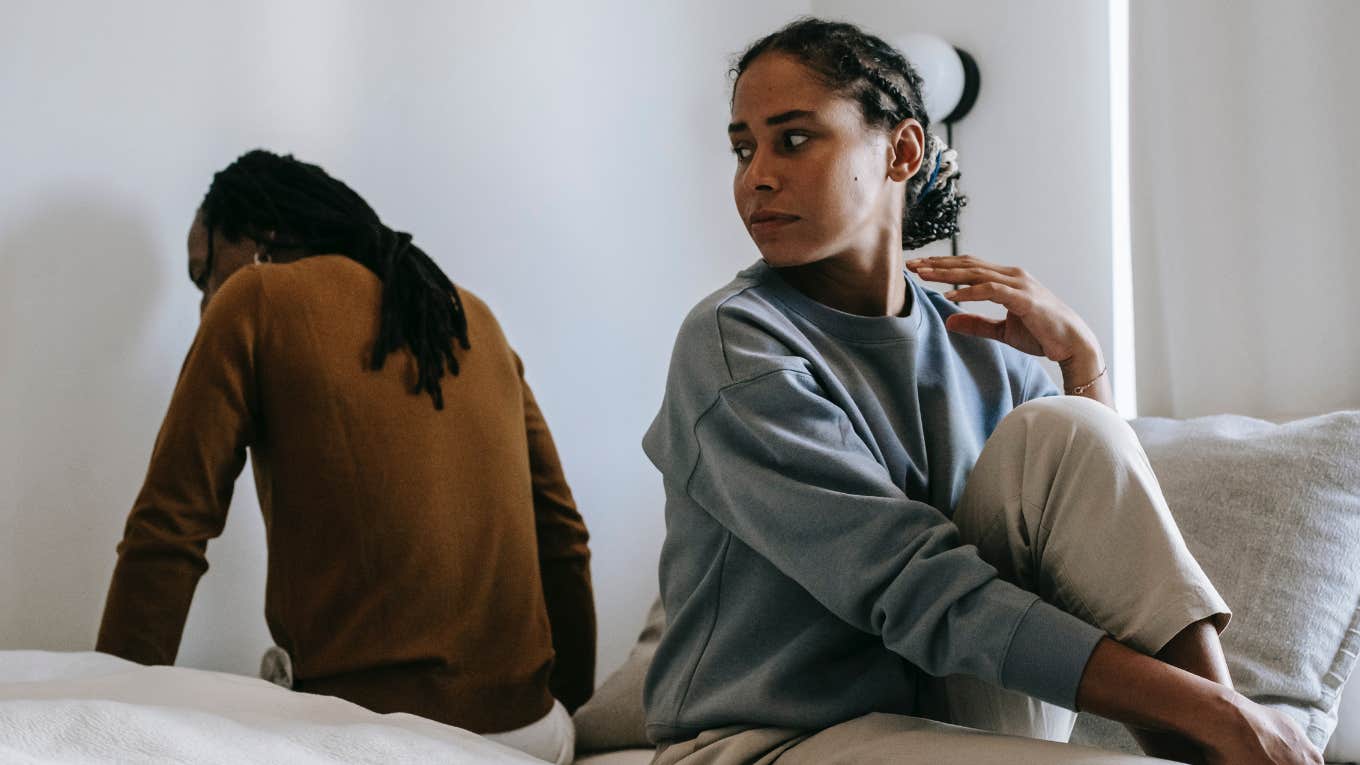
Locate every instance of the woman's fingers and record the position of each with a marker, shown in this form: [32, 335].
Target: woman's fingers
[967, 275]
[977, 326]
[1012, 299]
[963, 263]
[1036, 321]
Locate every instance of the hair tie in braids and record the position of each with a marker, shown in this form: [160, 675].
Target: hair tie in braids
[930, 183]
[945, 169]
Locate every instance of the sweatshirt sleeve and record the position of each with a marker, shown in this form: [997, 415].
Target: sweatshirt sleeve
[564, 562]
[197, 457]
[781, 467]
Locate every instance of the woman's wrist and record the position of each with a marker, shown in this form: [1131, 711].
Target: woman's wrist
[1222, 716]
[1214, 710]
[1083, 367]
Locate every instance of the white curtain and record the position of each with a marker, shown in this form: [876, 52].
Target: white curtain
[1245, 154]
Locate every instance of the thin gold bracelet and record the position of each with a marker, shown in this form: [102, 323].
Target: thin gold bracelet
[1080, 389]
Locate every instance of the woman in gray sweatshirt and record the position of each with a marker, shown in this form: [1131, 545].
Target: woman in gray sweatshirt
[863, 513]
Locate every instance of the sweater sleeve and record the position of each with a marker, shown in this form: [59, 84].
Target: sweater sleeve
[197, 457]
[781, 467]
[564, 562]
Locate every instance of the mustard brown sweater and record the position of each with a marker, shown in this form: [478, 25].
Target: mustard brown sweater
[421, 561]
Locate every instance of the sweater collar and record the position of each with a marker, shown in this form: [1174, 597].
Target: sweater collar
[847, 326]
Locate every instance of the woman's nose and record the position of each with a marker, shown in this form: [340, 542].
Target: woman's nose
[761, 172]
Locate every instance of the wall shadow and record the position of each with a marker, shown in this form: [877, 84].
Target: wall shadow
[80, 280]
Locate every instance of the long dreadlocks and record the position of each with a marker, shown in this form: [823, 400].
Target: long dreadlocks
[289, 205]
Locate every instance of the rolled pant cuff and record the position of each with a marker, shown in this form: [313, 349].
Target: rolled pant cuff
[1156, 630]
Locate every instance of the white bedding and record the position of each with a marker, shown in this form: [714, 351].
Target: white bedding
[94, 708]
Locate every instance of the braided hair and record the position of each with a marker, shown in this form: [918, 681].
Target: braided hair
[289, 205]
[887, 89]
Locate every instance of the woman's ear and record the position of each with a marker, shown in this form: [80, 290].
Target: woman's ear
[906, 149]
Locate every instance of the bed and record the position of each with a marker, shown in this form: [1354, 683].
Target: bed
[94, 708]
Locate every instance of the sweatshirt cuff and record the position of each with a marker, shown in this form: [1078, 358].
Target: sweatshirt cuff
[1048, 654]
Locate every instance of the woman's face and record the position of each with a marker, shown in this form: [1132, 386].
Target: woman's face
[812, 180]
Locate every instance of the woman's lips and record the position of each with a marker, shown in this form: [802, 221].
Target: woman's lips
[768, 223]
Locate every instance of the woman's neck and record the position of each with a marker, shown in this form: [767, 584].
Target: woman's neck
[863, 284]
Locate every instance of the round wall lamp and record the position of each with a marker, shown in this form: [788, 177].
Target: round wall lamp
[950, 74]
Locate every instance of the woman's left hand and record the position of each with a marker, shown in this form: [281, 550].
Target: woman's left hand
[1036, 322]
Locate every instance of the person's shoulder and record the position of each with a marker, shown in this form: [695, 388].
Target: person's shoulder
[474, 306]
[235, 312]
[731, 337]
[289, 286]
[735, 333]
[325, 276]
[483, 326]
[935, 302]
[305, 271]
[1020, 371]
[240, 296]
[938, 309]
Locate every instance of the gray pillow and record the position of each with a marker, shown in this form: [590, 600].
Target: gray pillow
[613, 718]
[1272, 512]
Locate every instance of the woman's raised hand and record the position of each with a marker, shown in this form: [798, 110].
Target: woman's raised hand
[1036, 322]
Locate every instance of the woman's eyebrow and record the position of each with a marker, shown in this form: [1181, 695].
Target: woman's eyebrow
[778, 119]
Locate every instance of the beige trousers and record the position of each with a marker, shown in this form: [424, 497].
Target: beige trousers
[1062, 501]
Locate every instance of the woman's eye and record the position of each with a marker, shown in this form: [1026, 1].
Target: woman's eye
[743, 152]
[794, 140]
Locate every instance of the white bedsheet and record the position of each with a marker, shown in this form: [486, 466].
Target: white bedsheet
[94, 708]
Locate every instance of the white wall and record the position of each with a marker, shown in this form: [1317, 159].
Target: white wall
[1246, 183]
[565, 161]
[1035, 150]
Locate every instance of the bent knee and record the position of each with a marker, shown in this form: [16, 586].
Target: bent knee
[1070, 416]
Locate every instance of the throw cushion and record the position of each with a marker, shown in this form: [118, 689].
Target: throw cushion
[1345, 743]
[1272, 513]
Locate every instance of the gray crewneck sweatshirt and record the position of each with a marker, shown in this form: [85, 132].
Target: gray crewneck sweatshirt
[811, 461]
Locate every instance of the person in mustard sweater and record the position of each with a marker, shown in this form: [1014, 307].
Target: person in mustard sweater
[425, 554]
